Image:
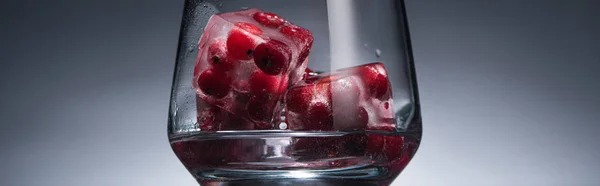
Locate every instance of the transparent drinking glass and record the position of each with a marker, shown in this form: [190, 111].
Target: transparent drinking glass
[294, 92]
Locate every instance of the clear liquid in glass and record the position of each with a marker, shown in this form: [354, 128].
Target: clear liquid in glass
[320, 158]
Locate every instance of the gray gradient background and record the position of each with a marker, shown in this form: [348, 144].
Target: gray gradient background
[509, 90]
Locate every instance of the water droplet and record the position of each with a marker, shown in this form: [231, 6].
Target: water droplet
[366, 45]
[205, 6]
[220, 4]
[244, 8]
[192, 48]
[377, 53]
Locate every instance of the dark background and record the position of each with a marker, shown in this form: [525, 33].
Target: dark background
[509, 89]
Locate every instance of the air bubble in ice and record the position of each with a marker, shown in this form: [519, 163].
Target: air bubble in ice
[377, 53]
[283, 125]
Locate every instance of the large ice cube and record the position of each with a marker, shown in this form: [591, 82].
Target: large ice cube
[246, 60]
[347, 99]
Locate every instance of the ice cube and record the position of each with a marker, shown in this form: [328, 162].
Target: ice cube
[246, 60]
[347, 99]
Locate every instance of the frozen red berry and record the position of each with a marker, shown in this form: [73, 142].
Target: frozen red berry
[309, 107]
[249, 28]
[214, 83]
[376, 79]
[241, 44]
[218, 57]
[272, 57]
[297, 33]
[380, 86]
[264, 83]
[319, 117]
[269, 19]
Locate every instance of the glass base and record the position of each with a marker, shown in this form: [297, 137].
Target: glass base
[365, 176]
[295, 182]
